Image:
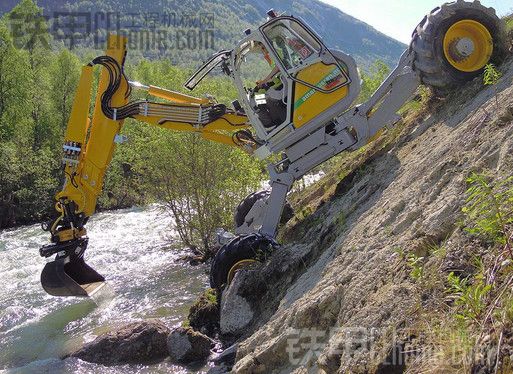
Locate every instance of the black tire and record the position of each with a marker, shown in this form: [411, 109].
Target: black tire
[245, 206]
[427, 42]
[239, 248]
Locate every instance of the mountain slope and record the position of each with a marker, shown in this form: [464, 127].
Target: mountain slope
[343, 298]
[338, 29]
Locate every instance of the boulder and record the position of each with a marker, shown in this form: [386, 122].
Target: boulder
[204, 314]
[236, 311]
[137, 342]
[186, 345]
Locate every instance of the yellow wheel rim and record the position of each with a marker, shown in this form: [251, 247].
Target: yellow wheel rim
[468, 45]
[239, 265]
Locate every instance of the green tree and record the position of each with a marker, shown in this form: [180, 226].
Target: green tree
[14, 90]
[200, 183]
[31, 34]
[64, 76]
[373, 79]
[29, 174]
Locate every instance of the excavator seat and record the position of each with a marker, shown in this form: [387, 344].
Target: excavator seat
[68, 274]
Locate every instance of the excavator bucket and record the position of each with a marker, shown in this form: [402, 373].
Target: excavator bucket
[68, 274]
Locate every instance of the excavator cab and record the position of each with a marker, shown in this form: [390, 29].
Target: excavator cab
[308, 81]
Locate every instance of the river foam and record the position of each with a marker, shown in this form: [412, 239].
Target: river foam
[132, 249]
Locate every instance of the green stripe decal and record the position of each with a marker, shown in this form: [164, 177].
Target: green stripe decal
[335, 72]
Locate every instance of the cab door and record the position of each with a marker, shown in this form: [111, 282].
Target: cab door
[315, 84]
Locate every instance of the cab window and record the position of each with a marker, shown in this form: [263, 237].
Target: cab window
[291, 42]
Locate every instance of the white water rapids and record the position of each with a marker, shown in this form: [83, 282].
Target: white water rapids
[131, 248]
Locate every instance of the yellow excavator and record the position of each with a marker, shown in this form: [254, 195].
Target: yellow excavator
[303, 110]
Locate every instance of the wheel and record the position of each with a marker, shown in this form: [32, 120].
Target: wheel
[240, 252]
[454, 42]
[245, 206]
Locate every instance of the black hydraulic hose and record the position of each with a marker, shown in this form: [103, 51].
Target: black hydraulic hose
[116, 74]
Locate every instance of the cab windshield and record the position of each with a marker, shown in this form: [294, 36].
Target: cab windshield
[291, 42]
[252, 63]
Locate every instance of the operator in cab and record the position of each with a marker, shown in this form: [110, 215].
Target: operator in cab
[272, 110]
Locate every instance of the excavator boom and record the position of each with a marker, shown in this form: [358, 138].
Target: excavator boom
[88, 148]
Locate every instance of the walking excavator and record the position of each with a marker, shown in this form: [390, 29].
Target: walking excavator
[303, 111]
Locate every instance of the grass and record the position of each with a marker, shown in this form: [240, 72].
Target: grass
[489, 208]
[509, 22]
[415, 264]
[439, 250]
[447, 347]
[473, 312]
[211, 296]
[470, 299]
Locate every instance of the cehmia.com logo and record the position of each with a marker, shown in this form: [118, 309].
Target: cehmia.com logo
[145, 31]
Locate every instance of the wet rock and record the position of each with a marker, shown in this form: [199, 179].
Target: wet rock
[186, 345]
[227, 356]
[222, 369]
[192, 259]
[204, 314]
[137, 342]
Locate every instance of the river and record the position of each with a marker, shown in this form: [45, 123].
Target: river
[132, 249]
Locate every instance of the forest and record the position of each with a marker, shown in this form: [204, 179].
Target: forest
[191, 30]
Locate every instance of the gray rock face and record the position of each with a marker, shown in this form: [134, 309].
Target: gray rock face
[137, 342]
[351, 295]
[236, 311]
[186, 345]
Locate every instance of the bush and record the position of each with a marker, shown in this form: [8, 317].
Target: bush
[200, 183]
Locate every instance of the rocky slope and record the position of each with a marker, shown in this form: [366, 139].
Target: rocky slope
[340, 298]
[341, 295]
